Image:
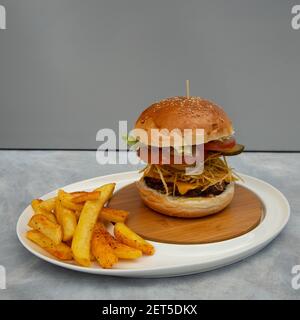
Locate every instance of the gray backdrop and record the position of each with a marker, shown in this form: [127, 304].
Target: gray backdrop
[71, 67]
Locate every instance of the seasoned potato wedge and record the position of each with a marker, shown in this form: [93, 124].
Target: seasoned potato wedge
[121, 250]
[94, 195]
[66, 201]
[114, 215]
[81, 244]
[101, 249]
[48, 204]
[67, 219]
[130, 238]
[36, 206]
[60, 251]
[48, 228]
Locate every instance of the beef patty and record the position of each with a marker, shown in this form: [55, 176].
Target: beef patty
[214, 190]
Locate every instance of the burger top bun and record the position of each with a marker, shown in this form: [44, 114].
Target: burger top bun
[183, 113]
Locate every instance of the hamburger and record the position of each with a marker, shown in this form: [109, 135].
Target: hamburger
[167, 186]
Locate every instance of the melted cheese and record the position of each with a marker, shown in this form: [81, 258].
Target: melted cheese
[184, 187]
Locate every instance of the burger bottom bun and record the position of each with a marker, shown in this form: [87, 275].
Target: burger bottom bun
[184, 207]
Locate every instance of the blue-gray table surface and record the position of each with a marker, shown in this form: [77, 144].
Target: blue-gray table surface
[25, 175]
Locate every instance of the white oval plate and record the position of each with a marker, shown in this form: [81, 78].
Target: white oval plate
[170, 259]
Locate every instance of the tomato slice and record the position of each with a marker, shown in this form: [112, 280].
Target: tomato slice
[219, 145]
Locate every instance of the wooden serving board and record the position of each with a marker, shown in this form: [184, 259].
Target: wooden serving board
[243, 214]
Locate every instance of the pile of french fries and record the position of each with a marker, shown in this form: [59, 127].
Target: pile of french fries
[72, 226]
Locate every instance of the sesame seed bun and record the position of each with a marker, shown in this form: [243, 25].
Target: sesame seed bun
[182, 113]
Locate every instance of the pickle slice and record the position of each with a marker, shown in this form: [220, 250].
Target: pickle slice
[237, 149]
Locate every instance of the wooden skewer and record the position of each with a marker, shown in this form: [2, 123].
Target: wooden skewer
[187, 83]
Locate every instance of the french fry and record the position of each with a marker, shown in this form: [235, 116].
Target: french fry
[99, 189]
[101, 249]
[66, 200]
[86, 196]
[130, 238]
[71, 205]
[36, 206]
[114, 215]
[60, 251]
[48, 204]
[67, 219]
[48, 228]
[121, 250]
[81, 244]
[48, 215]
[58, 209]
[77, 193]
[69, 223]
